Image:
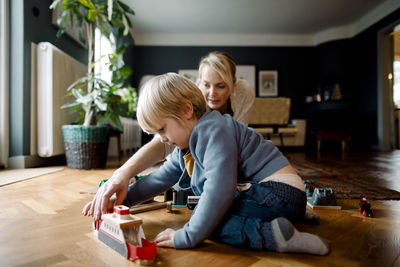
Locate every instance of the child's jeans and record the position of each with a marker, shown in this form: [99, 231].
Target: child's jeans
[247, 222]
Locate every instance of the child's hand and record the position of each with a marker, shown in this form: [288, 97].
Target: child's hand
[166, 238]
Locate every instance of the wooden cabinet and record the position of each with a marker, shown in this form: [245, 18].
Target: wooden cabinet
[330, 121]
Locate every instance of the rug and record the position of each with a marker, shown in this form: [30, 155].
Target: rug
[344, 186]
[17, 175]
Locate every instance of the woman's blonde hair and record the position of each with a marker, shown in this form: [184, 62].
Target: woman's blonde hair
[164, 96]
[223, 64]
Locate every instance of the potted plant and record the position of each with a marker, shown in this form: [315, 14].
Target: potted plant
[96, 100]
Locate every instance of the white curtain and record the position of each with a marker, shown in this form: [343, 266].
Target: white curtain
[4, 82]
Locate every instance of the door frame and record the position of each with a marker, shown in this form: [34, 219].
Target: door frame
[385, 107]
[4, 81]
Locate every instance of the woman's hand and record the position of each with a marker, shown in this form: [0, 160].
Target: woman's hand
[166, 238]
[88, 206]
[147, 156]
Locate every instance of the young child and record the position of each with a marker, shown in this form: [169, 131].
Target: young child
[222, 91]
[249, 192]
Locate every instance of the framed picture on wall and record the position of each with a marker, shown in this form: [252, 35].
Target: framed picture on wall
[76, 32]
[248, 73]
[189, 74]
[268, 83]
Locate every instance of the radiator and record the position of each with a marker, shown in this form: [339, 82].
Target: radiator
[131, 138]
[132, 135]
[56, 71]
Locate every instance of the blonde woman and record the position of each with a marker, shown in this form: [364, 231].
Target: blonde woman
[222, 91]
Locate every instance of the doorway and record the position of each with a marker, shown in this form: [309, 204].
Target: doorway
[386, 103]
[395, 78]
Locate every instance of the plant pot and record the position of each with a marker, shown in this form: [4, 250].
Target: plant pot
[86, 146]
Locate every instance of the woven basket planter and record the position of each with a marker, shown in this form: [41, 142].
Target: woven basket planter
[86, 147]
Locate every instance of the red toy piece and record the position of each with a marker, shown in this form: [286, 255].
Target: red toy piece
[143, 255]
[365, 207]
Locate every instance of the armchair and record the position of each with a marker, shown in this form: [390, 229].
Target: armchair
[270, 117]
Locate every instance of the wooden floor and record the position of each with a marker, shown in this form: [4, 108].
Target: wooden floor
[41, 224]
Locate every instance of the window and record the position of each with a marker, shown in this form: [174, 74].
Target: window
[396, 83]
[103, 47]
[395, 77]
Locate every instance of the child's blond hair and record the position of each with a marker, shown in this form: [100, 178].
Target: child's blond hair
[164, 96]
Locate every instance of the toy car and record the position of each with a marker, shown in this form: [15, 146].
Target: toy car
[309, 186]
[192, 201]
[365, 208]
[323, 197]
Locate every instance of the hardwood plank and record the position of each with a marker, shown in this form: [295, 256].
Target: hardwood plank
[38, 207]
[42, 224]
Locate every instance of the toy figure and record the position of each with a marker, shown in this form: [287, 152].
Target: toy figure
[365, 207]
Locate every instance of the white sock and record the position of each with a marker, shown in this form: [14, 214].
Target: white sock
[288, 239]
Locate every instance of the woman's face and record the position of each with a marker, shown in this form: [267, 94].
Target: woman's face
[215, 90]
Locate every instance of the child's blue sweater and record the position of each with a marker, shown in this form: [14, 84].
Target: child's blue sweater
[226, 152]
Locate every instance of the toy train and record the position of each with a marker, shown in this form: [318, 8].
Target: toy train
[123, 232]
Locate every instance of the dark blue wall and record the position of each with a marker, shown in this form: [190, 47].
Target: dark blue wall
[295, 65]
[301, 70]
[352, 63]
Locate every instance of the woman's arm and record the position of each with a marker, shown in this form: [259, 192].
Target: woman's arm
[144, 158]
[242, 101]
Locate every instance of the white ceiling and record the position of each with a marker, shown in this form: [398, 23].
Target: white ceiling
[253, 22]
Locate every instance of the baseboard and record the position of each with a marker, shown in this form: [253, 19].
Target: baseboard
[31, 161]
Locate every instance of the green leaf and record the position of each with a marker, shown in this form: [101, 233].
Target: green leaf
[128, 21]
[126, 8]
[70, 104]
[87, 4]
[60, 32]
[117, 122]
[76, 93]
[81, 81]
[100, 104]
[126, 25]
[125, 71]
[92, 15]
[54, 4]
[104, 119]
[85, 100]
